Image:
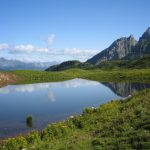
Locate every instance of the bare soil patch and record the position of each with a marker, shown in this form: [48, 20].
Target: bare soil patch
[6, 78]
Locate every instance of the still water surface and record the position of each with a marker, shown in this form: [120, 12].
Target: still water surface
[50, 102]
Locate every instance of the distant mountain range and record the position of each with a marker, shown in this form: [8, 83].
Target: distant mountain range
[122, 53]
[6, 64]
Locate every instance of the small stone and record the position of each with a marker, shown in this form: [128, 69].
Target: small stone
[71, 117]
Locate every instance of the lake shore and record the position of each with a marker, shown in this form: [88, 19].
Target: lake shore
[7, 78]
[89, 125]
[121, 124]
[28, 76]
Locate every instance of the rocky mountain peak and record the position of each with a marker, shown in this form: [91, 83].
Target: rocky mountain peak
[131, 37]
[126, 48]
[132, 41]
[146, 35]
[117, 50]
[142, 48]
[148, 30]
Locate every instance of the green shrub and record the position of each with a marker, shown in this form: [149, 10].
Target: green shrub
[89, 110]
[54, 130]
[78, 122]
[16, 143]
[33, 137]
[29, 121]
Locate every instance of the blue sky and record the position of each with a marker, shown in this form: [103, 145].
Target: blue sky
[58, 30]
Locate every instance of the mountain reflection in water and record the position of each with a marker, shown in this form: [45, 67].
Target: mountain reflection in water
[124, 89]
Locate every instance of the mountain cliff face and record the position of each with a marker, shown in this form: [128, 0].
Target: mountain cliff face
[124, 52]
[142, 48]
[126, 48]
[117, 50]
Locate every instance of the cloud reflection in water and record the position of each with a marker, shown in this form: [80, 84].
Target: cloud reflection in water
[51, 96]
[75, 83]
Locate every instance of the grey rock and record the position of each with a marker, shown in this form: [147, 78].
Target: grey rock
[117, 50]
[142, 48]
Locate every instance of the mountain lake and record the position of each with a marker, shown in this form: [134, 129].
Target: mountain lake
[54, 101]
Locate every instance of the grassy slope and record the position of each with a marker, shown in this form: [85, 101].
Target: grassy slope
[114, 125]
[138, 63]
[136, 75]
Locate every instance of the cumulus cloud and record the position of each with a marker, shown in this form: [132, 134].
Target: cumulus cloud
[50, 39]
[73, 53]
[44, 49]
[46, 53]
[79, 52]
[26, 48]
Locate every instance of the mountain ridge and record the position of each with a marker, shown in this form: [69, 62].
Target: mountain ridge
[6, 64]
[127, 48]
[123, 49]
[117, 50]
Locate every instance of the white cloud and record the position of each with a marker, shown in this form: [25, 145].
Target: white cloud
[4, 46]
[24, 48]
[72, 53]
[28, 48]
[44, 54]
[75, 83]
[79, 52]
[34, 53]
[51, 96]
[50, 39]
[44, 49]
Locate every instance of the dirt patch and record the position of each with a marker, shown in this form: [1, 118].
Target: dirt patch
[6, 78]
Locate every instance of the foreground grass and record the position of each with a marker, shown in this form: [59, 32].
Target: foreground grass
[118, 125]
[136, 75]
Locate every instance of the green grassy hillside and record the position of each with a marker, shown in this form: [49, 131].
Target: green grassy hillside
[136, 75]
[71, 65]
[121, 125]
[138, 63]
